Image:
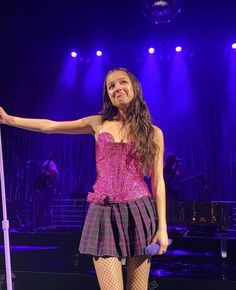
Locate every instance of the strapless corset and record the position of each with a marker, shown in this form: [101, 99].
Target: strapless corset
[117, 179]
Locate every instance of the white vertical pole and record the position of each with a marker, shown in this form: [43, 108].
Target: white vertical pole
[5, 223]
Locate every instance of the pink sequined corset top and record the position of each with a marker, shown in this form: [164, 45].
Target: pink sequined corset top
[116, 181]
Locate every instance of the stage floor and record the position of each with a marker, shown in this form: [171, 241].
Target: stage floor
[190, 259]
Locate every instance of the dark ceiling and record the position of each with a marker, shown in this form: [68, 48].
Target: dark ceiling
[44, 25]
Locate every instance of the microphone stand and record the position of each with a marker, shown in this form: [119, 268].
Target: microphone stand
[5, 223]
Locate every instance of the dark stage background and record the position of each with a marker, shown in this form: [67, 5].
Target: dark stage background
[191, 95]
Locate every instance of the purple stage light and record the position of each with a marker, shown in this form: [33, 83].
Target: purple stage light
[178, 49]
[234, 45]
[99, 53]
[151, 50]
[74, 54]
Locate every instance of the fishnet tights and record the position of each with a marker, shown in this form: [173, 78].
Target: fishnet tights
[138, 269]
[109, 273]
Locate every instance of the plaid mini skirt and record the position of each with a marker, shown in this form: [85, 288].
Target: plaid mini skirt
[119, 229]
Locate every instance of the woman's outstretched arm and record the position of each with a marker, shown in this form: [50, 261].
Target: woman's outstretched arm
[85, 125]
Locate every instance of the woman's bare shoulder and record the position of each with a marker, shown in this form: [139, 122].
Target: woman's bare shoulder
[158, 135]
[157, 130]
[94, 121]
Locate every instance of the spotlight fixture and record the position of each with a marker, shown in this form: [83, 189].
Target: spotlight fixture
[234, 45]
[178, 49]
[151, 50]
[73, 54]
[99, 53]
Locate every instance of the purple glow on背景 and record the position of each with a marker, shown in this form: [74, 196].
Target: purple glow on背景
[178, 49]
[151, 50]
[74, 54]
[99, 53]
[234, 45]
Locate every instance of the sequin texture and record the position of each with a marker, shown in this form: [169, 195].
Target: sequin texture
[116, 181]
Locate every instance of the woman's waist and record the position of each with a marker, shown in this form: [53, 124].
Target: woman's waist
[107, 197]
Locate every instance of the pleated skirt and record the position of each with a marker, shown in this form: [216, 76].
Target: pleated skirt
[119, 229]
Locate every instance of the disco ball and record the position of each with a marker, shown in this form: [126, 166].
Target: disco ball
[162, 11]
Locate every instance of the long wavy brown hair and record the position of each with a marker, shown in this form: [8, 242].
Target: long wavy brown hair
[137, 116]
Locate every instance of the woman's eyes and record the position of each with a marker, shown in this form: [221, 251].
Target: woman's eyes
[121, 82]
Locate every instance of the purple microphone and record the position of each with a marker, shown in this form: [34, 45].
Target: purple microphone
[152, 249]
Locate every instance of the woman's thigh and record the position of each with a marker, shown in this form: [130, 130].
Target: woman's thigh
[109, 273]
[138, 269]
